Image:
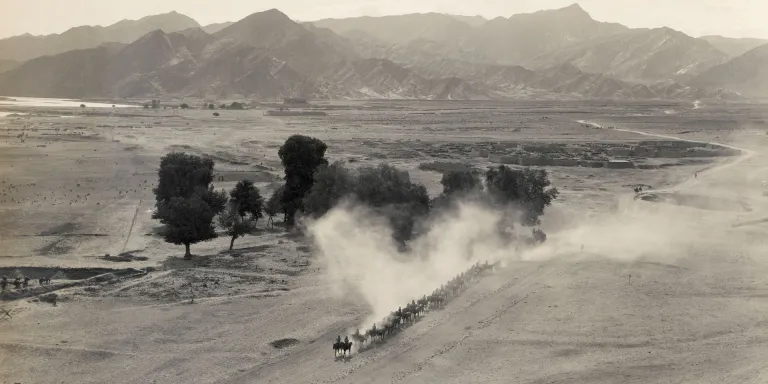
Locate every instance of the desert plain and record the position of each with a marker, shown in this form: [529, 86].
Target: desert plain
[666, 286]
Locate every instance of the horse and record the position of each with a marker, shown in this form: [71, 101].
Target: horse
[372, 333]
[343, 347]
[359, 337]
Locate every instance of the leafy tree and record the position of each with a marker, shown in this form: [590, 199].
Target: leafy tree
[216, 114]
[223, 106]
[525, 188]
[211, 106]
[188, 220]
[82, 105]
[301, 156]
[243, 211]
[459, 182]
[331, 184]
[180, 174]
[235, 224]
[186, 202]
[146, 105]
[402, 219]
[217, 200]
[275, 204]
[184, 105]
[247, 199]
[236, 105]
[384, 185]
[391, 194]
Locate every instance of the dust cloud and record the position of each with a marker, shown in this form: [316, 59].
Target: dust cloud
[360, 254]
[361, 257]
[357, 248]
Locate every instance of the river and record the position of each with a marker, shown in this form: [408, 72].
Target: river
[45, 102]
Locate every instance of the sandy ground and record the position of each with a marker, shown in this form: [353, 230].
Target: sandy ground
[661, 293]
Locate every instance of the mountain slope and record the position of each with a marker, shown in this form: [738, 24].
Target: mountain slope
[78, 73]
[25, 47]
[520, 38]
[405, 28]
[645, 55]
[310, 50]
[381, 78]
[747, 74]
[267, 56]
[473, 21]
[192, 62]
[213, 28]
[513, 40]
[7, 65]
[422, 52]
[733, 47]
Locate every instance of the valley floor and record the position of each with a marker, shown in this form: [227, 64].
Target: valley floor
[660, 293]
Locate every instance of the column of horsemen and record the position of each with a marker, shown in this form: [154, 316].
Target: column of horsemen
[19, 284]
[407, 315]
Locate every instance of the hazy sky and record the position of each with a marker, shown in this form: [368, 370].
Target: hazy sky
[737, 18]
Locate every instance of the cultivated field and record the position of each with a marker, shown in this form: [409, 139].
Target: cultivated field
[670, 286]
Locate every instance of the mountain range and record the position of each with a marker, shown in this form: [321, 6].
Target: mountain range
[547, 54]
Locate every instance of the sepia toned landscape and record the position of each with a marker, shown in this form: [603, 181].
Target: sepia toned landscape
[79, 187]
[648, 265]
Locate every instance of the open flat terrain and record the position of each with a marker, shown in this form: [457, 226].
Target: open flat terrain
[670, 290]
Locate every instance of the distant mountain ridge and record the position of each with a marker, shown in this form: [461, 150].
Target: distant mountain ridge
[643, 55]
[267, 55]
[215, 27]
[734, 47]
[747, 74]
[25, 47]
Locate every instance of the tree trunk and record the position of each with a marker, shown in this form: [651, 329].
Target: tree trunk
[187, 254]
[232, 243]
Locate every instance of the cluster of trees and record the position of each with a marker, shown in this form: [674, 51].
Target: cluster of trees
[156, 104]
[187, 203]
[234, 105]
[521, 194]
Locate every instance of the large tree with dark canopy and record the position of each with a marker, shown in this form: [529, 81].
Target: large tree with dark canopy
[300, 155]
[389, 192]
[457, 185]
[186, 202]
[332, 183]
[247, 198]
[180, 175]
[459, 182]
[385, 184]
[188, 220]
[526, 189]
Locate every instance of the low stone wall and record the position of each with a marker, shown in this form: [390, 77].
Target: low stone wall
[565, 162]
